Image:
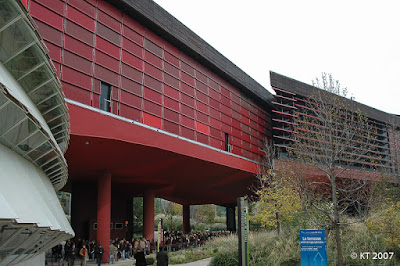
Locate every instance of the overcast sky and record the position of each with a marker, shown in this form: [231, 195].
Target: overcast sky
[357, 41]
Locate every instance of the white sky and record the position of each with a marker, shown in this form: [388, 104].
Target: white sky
[357, 41]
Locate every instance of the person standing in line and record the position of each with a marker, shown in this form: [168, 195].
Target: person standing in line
[72, 254]
[99, 254]
[113, 251]
[84, 255]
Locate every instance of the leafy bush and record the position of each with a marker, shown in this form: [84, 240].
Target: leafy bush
[150, 261]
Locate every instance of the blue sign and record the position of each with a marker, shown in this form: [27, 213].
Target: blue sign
[313, 248]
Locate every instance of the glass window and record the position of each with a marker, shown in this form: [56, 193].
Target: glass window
[105, 97]
[226, 142]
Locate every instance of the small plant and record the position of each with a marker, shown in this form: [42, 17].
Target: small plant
[150, 261]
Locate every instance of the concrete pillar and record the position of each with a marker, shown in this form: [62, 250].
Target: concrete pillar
[230, 218]
[104, 213]
[148, 215]
[186, 218]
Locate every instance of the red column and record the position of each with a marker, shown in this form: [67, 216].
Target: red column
[186, 218]
[148, 215]
[104, 213]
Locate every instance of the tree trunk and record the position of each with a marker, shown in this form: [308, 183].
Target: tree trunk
[336, 222]
[339, 245]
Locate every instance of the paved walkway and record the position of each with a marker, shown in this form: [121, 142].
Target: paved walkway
[204, 262]
[130, 262]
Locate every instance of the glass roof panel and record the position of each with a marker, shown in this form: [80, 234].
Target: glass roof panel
[8, 12]
[3, 99]
[33, 141]
[40, 151]
[46, 158]
[21, 132]
[13, 39]
[25, 61]
[9, 116]
[35, 78]
[37, 95]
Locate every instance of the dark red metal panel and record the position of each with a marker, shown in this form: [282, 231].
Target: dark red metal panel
[171, 92]
[55, 5]
[84, 7]
[107, 61]
[152, 83]
[153, 71]
[132, 60]
[132, 47]
[75, 93]
[46, 15]
[133, 25]
[132, 35]
[187, 122]
[130, 112]
[78, 63]
[171, 115]
[80, 18]
[174, 60]
[78, 32]
[131, 73]
[108, 34]
[54, 51]
[76, 78]
[152, 108]
[49, 33]
[109, 9]
[152, 95]
[153, 48]
[172, 104]
[171, 127]
[107, 47]
[131, 99]
[187, 89]
[109, 21]
[189, 101]
[78, 47]
[106, 75]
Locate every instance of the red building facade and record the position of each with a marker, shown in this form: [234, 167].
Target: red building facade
[151, 80]
[155, 112]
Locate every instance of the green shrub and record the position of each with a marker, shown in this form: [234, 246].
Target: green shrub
[150, 261]
[227, 259]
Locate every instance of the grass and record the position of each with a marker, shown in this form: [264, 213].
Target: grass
[269, 248]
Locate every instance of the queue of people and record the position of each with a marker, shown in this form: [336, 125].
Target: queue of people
[121, 249]
[176, 240]
[86, 251]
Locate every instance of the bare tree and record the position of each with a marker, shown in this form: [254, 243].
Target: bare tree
[336, 145]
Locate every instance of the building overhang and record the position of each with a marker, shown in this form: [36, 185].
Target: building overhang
[141, 157]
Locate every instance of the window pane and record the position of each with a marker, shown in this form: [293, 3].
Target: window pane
[105, 97]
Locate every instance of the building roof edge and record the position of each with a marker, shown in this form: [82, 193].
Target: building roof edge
[165, 25]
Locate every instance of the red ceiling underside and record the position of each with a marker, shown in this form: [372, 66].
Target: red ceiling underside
[141, 158]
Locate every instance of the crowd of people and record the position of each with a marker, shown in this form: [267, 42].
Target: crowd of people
[84, 250]
[177, 240]
[91, 251]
